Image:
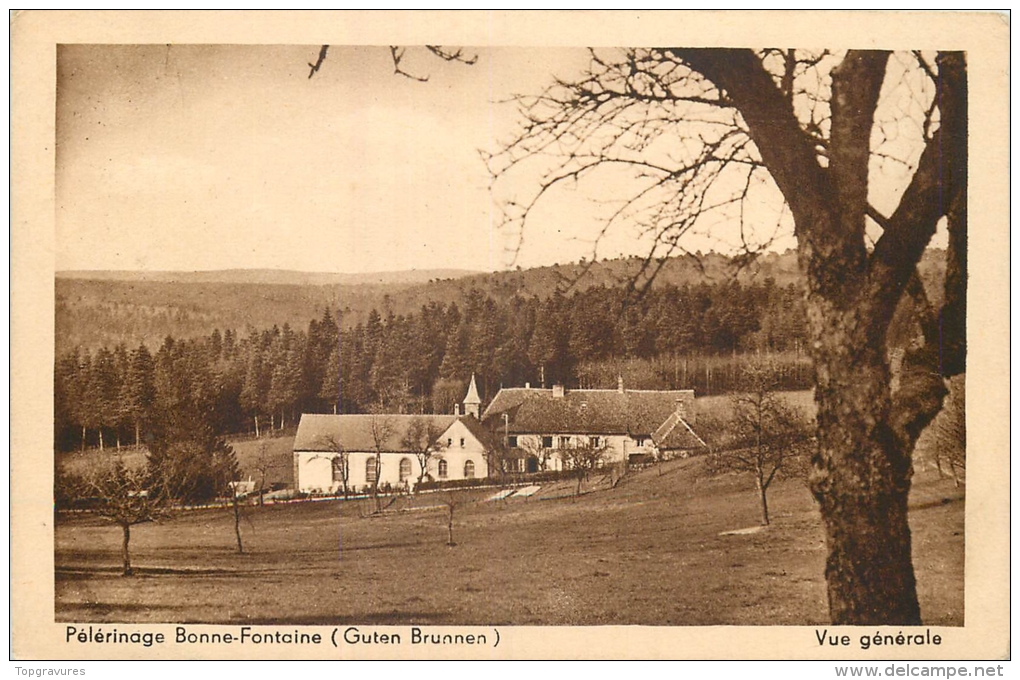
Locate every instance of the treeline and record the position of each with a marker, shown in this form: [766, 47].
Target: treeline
[672, 337]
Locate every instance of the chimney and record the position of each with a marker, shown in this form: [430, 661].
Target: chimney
[527, 386]
[456, 409]
[619, 384]
[558, 391]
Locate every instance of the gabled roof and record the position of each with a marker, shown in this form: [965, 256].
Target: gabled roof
[477, 430]
[676, 435]
[537, 411]
[355, 432]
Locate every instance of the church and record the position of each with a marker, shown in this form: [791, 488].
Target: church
[328, 447]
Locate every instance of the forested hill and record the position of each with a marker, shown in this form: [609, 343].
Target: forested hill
[104, 309]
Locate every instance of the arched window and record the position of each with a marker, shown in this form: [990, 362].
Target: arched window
[370, 470]
[469, 469]
[444, 469]
[405, 469]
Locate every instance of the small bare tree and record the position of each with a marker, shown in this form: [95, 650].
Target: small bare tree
[764, 435]
[224, 464]
[532, 446]
[452, 502]
[340, 462]
[381, 428]
[263, 464]
[128, 496]
[583, 458]
[422, 439]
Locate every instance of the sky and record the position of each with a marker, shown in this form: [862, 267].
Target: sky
[214, 157]
[200, 157]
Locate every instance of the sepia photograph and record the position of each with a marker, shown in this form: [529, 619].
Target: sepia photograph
[426, 345]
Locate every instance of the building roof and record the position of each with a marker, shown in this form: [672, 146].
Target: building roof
[472, 393]
[676, 435]
[537, 411]
[355, 432]
[477, 430]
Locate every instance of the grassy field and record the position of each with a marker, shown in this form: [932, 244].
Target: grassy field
[648, 552]
[279, 451]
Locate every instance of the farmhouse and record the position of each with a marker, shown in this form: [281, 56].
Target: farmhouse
[631, 425]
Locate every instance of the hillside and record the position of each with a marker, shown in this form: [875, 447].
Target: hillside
[654, 551]
[95, 309]
[269, 276]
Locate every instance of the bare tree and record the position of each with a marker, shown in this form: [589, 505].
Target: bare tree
[263, 464]
[764, 436]
[533, 448]
[128, 496]
[705, 133]
[227, 471]
[340, 461]
[381, 429]
[452, 502]
[583, 459]
[422, 439]
[497, 457]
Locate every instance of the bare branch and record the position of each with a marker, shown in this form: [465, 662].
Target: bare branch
[318, 62]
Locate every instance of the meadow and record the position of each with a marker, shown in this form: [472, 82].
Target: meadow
[652, 551]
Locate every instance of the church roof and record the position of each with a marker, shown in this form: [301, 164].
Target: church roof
[317, 432]
[472, 393]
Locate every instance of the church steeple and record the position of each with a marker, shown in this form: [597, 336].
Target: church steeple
[472, 402]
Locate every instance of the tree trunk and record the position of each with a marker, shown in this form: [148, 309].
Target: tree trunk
[83, 437]
[764, 503]
[100, 438]
[237, 523]
[124, 549]
[256, 427]
[138, 433]
[861, 479]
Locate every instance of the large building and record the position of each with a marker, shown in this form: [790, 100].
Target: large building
[631, 425]
[324, 443]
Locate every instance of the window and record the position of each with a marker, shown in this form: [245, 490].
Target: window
[469, 469]
[462, 442]
[370, 471]
[511, 441]
[546, 442]
[338, 469]
[449, 442]
[405, 469]
[594, 442]
[640, 441]
[565, 442]
[444, 469]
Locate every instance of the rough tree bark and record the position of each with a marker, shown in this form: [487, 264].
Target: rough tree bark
[862, 466]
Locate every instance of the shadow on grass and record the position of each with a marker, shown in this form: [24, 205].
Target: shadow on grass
[936, 503]
[81, 573]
